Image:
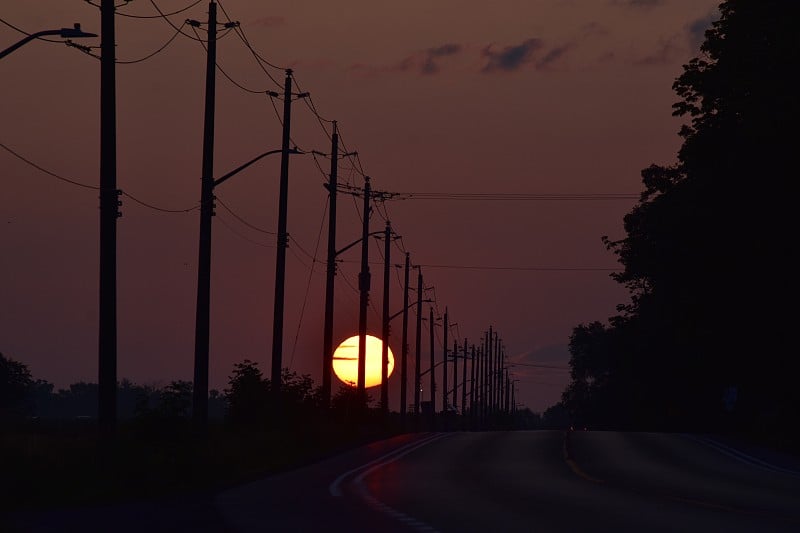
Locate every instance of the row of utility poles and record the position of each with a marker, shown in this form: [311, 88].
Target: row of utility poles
[485, 390]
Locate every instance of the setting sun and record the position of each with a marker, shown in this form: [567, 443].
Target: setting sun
[345, 361]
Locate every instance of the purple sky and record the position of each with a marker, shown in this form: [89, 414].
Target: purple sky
[557, 96]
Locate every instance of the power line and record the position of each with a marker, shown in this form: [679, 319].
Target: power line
[235, 232]
[157, 208]
[29, 34]
[308, 284]
[521, 268]
[222, 71]
[48, 172]
[504, 197]
[259, 59]
[145, 58]
[120, 14]
[242, 220]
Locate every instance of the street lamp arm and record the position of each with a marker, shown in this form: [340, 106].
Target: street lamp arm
[412, 304]
[431, 368]
[66, 33]
[235, 171]
[356, 242]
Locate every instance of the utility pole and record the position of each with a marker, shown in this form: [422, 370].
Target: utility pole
[490, 377]
[464, 380]
[109, 212]
[330, 275]
[433, 374]
[404, 348]
[455, 375]
[363, 287]
[472, 390]
[283, 243]
[507, 398]
[498, 368]
[387, 237]
[203, 309]
[444, 363]
[417, 370]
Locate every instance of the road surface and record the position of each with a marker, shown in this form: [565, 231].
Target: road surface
[536, 481]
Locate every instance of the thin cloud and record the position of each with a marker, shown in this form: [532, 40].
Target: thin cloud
[430, 64]
[667, 52]
[646, 4]
[510, 58]
[424, 62]
[696, 30]
[269, 22]
[552, 57]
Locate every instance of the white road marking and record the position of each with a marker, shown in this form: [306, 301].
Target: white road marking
[335, 487]
[741, 456]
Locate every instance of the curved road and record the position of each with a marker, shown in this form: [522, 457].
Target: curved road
[534, 481]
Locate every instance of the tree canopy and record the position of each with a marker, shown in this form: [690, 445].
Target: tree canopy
[707, 256]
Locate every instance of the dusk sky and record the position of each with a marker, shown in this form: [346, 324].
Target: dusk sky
[509, 96]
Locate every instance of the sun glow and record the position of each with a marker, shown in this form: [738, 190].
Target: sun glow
[345, 361]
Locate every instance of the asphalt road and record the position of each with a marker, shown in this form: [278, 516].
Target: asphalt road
[535, 481]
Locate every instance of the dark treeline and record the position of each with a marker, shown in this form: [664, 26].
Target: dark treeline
[707, 340]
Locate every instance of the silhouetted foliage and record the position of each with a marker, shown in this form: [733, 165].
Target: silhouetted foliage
[707, 255]
[16, 384]
[247, 394]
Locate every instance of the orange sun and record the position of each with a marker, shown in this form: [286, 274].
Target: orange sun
[345, 361]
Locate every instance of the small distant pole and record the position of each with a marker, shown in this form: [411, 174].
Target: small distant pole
[404, 348]
[417, 370]
[433, 374]
[464, 381]
[445, 327]
[387, 237]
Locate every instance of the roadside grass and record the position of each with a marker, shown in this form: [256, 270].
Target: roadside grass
[57, 465]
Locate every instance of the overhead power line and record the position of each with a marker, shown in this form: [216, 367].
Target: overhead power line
[521, 268]
[48, 172]
[506, 197]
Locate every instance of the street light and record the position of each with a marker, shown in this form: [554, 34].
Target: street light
[203, 312]
[64, 33]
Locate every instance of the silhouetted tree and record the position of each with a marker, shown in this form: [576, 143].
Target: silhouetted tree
[247, 394]
[707, 256]
[16, 384]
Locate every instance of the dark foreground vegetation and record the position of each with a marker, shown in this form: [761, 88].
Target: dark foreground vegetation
[708, 340]
[54, 455]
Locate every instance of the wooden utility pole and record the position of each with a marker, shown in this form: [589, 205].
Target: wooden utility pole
[464, 380]
[109, 212]
[330, 274]
[433, 363]
[363, 287]
[387, 248]
[203, 309]
[455, 375]
[472, 390]
[417, 370]
[404, 348]
[445, 327]
[283, 243]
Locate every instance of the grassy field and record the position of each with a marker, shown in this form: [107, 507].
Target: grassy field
[67, 464]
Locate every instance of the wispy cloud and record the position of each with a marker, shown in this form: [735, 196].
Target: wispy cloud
[424, 62]
[646, 4]
[431, 56]
[269, 22]
[666, 53]
[510, 58]
[553, 56]
[696, 30]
